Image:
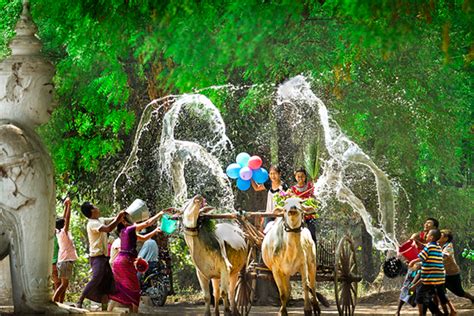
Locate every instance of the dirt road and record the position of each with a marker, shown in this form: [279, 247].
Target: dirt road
[379, 310]
[184, 309]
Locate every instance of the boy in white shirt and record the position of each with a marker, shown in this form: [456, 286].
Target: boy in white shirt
[102, 282]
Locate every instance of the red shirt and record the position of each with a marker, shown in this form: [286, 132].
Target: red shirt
[422, 236]
[304, 192]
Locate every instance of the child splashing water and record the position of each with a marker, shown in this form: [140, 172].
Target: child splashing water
[408, 287]
[67, 253]
[432, 274]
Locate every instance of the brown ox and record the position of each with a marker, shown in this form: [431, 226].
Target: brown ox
[217, 255]
[287, 249]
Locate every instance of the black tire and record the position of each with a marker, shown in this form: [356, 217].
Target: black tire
[158, 292]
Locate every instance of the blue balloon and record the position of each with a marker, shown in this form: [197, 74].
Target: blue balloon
[260, 175]
[243, 185]
[243, 159]
[233, 171]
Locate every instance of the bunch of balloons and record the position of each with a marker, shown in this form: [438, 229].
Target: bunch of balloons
[246, 168]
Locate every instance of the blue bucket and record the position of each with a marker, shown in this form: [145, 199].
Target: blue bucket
[168, 225]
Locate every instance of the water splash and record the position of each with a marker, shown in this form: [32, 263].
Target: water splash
[174, 155]
[184, 160]
[183, 163]
[342, 153]
[125, 176]
[201, 107]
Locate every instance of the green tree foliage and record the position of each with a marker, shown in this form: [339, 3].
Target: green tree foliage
[397, 76]
[8, 20]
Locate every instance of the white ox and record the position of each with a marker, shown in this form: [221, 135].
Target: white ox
[287, 249]
[217, 255]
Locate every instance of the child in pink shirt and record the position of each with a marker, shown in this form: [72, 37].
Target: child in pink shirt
[67, 253]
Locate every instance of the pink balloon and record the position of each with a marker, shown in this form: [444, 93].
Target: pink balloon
[255, 162]
[245, 173]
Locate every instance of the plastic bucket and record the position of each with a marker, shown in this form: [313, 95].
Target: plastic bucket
[138, 211]
[141, 265]
[409, 250]
[168, 225]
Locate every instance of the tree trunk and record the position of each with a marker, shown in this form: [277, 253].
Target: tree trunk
[369, 272]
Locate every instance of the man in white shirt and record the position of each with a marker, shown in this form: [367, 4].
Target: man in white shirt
[102, 282]
[114, 250]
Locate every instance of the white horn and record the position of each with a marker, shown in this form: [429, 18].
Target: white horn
[278, 210]
[206, 209]
[308, 209]
[172, 210]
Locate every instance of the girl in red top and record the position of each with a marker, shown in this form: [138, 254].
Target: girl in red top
[305, 189]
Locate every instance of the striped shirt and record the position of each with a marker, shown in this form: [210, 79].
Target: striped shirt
[432, 267]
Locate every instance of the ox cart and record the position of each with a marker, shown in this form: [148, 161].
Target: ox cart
[336, 262]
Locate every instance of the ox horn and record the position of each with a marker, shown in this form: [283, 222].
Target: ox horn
[206, 209]
[172, 210]
[278, 210]
[308, 209]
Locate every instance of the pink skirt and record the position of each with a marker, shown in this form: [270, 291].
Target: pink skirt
[126, 281]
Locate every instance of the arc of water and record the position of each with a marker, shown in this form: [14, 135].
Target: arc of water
[173, 154]
[215, 146]
[343, 152]
[145, 119]
[186, 151]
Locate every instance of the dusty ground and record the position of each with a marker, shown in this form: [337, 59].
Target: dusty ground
[381, 304]
[391, 298]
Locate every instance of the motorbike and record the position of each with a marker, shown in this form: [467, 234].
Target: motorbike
[155, 282]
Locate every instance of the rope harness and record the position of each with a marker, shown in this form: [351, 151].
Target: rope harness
[293, 230]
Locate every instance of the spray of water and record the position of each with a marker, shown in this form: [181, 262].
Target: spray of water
[174, 154]
[178, 160]
[297, 94]
[189, 162]
[132, 160]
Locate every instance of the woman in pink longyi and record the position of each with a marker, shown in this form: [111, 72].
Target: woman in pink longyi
[124, 266]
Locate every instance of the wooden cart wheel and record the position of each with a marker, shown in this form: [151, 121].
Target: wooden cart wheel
[246, 285]
[345, 277]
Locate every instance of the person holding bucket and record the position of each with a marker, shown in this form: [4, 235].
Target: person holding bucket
[432, 274]
[125, 266]
[102, 281]
[421, 238]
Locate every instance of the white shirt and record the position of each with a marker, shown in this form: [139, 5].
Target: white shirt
[114, 250]
[97, 239]
[270, 202]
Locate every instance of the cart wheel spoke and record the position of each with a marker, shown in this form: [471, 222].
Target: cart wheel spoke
[345, 269]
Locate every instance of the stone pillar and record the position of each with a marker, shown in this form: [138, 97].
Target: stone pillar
[27, 190]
